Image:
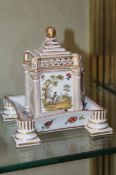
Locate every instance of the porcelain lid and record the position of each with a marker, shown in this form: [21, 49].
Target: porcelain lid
[50, 47]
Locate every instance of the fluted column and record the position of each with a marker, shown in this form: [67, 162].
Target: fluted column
[27, 91]
[26, 133]
[9, 112]
[27, 94]
[77, 97]
[98, 120]
[36, 93]
[98, 124]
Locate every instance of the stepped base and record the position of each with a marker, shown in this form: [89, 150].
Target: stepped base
[8, 117]
[98, 132]
[26, 143]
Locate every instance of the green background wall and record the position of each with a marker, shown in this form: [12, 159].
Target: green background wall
[22, 26]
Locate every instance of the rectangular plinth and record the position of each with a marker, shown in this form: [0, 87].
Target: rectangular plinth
[26, 143]
[8, 118]
[98, 132]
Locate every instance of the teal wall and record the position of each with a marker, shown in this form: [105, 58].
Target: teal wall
[22, 26]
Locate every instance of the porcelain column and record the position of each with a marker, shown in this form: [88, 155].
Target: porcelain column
[27, 94]
[36, 93]
[77, 102]
[26, 133]
[27, 97]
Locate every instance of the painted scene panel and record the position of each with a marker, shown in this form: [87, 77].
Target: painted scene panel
[56, 91]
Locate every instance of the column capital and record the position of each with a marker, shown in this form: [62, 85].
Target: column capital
[25, 66]
[76, 72]
[35, 75]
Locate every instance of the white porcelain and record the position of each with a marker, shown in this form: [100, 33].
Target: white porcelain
[54, 95]
[99, 132]
[53, 78]
[97, 124]
[72, 119]
[9, 112]
[26, 134]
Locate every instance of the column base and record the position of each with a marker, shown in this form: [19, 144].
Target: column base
[27, 109]
[98, 132]
[26, 143]
[9, 115]
[9, 112]
[26, 134]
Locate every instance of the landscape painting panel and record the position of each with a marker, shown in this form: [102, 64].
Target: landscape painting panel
[56, 91]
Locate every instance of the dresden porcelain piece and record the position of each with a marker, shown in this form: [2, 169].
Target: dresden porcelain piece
[54, 81]
[53, 78]
[25, 134]
[54, 94]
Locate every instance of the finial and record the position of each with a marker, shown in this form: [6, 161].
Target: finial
[50, 32]
[26, 57]
[76, 59]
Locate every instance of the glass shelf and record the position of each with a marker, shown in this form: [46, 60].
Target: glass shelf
[60, 146]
